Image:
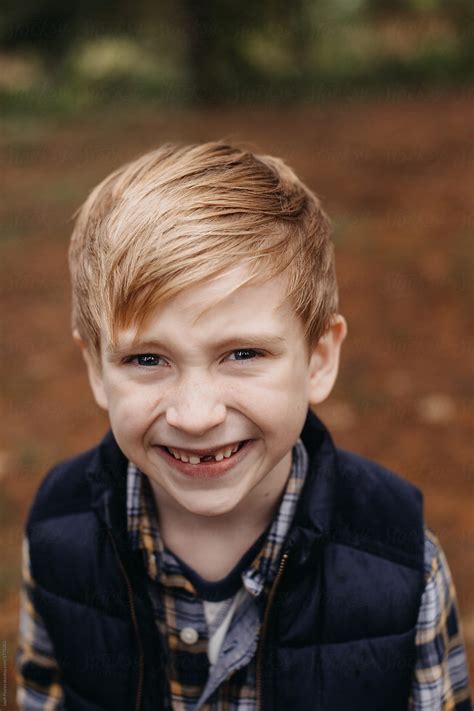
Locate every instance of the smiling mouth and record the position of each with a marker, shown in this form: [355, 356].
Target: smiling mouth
[216, 455]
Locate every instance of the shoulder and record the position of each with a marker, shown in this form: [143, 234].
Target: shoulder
[373, 477]
[64, 488]
[359, 502]
[68, 542]
[352, 474]
[372, 502]
[74, 483]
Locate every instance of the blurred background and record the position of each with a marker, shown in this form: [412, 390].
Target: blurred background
[370, 101]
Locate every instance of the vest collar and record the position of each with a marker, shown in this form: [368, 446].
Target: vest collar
[107, 476]
[313, 520]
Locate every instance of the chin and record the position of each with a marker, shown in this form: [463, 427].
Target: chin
[210, 509]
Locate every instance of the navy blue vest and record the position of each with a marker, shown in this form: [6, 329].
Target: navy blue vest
[339, 629]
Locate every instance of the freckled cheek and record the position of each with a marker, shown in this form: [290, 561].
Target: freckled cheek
[282, 411]
[287, 387]
[134, 407]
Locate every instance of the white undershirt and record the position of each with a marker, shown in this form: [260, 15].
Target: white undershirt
[212, 610]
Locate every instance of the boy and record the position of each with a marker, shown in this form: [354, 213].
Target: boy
[216, 551]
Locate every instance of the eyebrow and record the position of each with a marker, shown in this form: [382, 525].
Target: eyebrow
[260, 340]
[264, 340]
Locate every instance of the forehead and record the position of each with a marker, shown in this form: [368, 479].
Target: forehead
[233, 291]
[226, 305]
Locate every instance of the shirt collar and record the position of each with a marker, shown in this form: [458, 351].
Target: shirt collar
[263, 569]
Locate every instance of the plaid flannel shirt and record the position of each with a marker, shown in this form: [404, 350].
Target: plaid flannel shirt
[440, 679]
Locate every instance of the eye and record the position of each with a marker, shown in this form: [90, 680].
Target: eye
[244, 354]
[147, 359]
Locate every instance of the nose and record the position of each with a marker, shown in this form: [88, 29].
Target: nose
[196, 406]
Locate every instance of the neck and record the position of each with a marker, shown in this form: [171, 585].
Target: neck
[256, 515]
[219, 541]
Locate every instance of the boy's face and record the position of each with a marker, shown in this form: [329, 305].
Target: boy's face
[210, 372]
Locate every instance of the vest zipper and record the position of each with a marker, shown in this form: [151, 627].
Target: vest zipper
[264, 628]
[133, 615]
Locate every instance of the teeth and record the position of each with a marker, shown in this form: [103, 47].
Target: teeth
[184, 457]
[193, 459]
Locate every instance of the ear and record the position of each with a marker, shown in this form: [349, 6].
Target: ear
[94, 372]
[324, 361]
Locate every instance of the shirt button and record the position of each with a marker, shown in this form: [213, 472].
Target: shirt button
[189, 635]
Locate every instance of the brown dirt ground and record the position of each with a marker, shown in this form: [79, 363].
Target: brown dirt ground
[396, 175]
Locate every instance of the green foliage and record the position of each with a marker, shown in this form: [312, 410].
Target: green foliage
[81, 55]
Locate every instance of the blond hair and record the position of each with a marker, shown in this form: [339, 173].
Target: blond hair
[180, 215]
